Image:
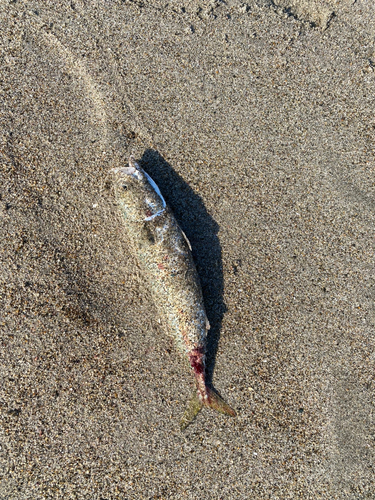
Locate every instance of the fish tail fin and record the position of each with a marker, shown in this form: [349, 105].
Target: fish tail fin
[213, 400]
[191, 411]
[216, 402]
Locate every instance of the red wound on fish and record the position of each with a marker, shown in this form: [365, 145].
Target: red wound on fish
[196, 361]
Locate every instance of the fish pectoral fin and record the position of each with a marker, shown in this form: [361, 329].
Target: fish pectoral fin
[216, 402]
[191, 411]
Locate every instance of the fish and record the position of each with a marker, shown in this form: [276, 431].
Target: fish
[164, 255]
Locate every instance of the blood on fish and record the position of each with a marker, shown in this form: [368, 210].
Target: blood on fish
[197, 366]
[196, 361]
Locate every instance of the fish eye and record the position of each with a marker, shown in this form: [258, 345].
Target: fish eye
[124, 187]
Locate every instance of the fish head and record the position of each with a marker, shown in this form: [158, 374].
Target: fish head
[137, 193]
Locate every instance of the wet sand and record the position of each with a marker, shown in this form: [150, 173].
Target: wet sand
[257, 122]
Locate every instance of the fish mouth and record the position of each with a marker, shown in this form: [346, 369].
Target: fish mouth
[128, 171]
[132, 169]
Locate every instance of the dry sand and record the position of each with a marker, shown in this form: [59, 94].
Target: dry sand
[257, 121]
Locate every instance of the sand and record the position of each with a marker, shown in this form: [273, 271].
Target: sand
[256, 120]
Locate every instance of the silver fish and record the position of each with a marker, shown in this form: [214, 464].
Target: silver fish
[164, 254]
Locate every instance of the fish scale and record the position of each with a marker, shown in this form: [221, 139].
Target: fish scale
[164, 256]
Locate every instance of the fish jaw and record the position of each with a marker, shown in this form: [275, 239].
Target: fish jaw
[132, 169]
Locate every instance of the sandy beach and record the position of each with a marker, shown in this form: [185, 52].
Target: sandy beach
[256, 120]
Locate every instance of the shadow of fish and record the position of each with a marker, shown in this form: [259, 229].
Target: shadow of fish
[164, 254]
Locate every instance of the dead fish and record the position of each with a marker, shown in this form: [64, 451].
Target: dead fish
[164, 254]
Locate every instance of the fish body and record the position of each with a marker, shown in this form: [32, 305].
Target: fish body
[164, 255]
